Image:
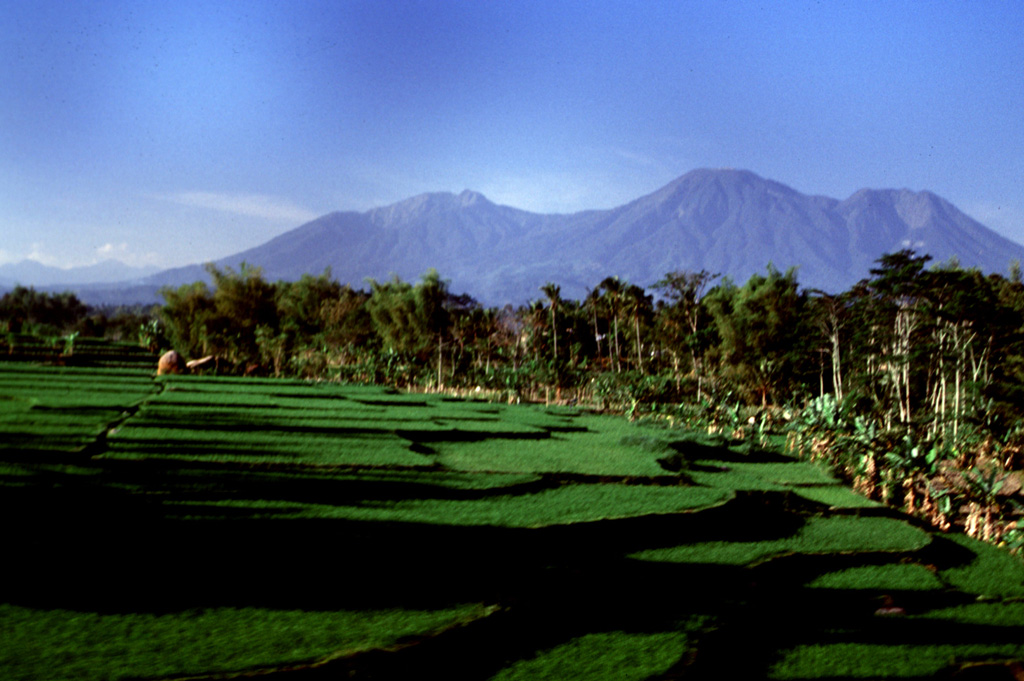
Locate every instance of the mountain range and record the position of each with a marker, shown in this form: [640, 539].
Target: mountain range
[725, 221]
[33, 273]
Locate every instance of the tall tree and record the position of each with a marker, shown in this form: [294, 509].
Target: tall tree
[593, 306]
[963, 320]
[898, 290]
[638, 305]
[609, 294]
[412, 319]
[682, 317]
[392, 309]
[300, 303]
[831, 314]
[761, 331]
[346, 321]
[244, 312]
[553, 292]
[25, 310]
[186, 314]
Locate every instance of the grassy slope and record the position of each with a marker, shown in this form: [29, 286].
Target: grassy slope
[321, 515]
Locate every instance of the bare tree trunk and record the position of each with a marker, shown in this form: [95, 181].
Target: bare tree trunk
[837, 369]
[616, 339]
[554, 334]
[697, 373]
[639, 346]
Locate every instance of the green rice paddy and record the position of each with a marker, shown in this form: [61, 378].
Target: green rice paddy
[96, 645]
[602, 655]
[204, 526]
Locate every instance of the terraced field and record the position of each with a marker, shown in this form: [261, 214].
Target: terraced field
[191, 527]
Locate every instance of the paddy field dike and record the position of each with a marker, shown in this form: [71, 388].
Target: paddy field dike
[209, 527]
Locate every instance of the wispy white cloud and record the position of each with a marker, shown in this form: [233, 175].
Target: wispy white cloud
[251, 205]
[53, 255]
[39, 253]
[111, 250]
[124, 253]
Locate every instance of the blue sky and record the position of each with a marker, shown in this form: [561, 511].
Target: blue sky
[179, 131]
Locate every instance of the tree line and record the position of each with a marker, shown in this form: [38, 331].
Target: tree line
[24, 311]
[909, 383]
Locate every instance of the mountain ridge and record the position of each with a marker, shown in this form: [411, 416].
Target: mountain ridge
[728, 221]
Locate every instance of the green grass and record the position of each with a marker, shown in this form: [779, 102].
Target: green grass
[562, 505]
[760, 476]
[861, 661]
[928, 644]
[990, 572]
[276, 446]
[820, 535]
[835, 496]
[63, 410]
[34, 474]
[600, 446]
[892, 577]
[346, 517]
[53, 645]
[885, 660]
[1005, 614]
[602, 655]
[285, 422]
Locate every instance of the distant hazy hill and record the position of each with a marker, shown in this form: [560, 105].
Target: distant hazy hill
[727, 221]
[32, 273]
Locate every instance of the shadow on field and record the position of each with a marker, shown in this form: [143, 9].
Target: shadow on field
[688, 452]
[779, 613]
[391, 402]
[101, 537]
[297, 431]
[81, 537]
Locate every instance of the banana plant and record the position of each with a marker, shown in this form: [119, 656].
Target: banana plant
[69, 343]
[985, 483]
[909, 463]
[823, 412]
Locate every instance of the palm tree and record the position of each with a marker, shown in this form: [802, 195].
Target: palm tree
[535, 318]
[611, 293]
[593, 304]
[553, 292]
[638, 304]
